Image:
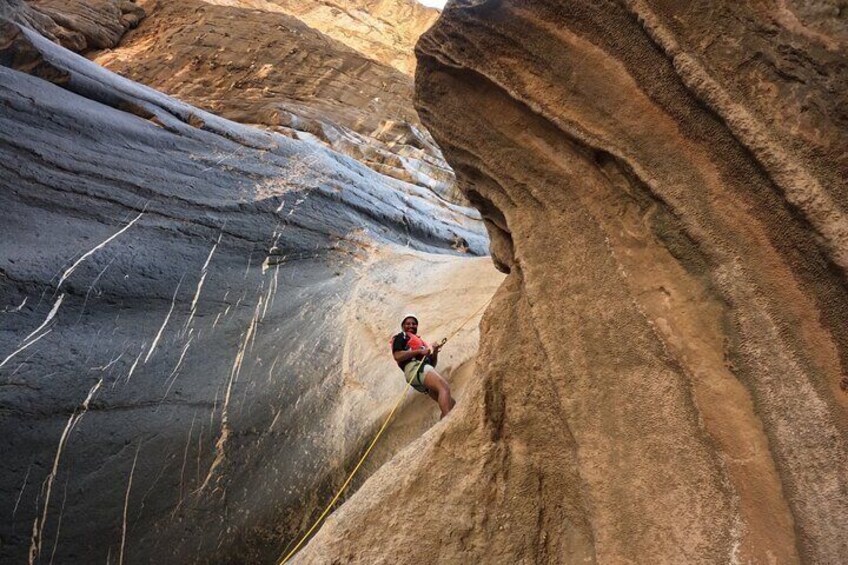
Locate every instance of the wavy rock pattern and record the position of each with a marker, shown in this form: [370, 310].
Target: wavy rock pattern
[384, 29]
[79, 25]
[270, 69]
[195, 317]
[665, 183]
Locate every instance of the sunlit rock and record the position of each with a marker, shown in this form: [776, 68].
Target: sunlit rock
[268, 68]
[659, 377]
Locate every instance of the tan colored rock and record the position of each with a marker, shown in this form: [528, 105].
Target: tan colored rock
[385, 30]
[270, 69]
[658, 379]
[79, 25]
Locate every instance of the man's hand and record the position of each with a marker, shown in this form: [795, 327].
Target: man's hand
[437, 348]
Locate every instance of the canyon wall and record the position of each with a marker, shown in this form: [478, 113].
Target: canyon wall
[78, 25]
[270, 69]
[659, 376]
[195, 317]
[384, 29]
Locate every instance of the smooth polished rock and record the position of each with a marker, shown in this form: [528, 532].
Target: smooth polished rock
[195, 317]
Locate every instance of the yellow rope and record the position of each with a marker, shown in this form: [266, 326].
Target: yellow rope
[371, 445]
[352, 473]
[468, 319]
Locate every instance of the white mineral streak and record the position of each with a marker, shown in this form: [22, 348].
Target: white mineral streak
[135, 363]
[88, 254]
[59, 525]
[173, 376]
[297, 204]
[103, 368]
[92, 285]
[17, 308]
[276, 283]
[214, 406]
[126, 505]
[50, 316]
[271, 370]
[272, 292]
[267, 262]
[38, 524]
[247, 269]
[257, 316]
[6, 360]
[165, 322]
[234, 374]
[182, 470]
[21, 493]
[203, 272]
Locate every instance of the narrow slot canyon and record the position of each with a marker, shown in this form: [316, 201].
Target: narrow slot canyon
[628, 218]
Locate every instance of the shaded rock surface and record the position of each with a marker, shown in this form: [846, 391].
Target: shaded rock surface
[270, 69]
[658, 379]
[79, 25]
[195, 317]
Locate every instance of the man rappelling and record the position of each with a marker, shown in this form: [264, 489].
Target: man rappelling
[417, 359]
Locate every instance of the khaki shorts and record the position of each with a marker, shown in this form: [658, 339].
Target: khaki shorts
[414, 372]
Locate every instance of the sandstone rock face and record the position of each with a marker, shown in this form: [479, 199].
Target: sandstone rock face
[79, 25]
[270, 69]
[195, 317]
[385, 30]
[658, 380]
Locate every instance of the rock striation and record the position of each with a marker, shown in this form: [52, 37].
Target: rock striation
[195, 317]
[658, 382]
[79, 25]
[385, 30]
[270, 69]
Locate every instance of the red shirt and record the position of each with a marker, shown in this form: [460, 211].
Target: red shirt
[409, 342]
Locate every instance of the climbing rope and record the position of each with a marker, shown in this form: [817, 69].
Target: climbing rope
[371, 445]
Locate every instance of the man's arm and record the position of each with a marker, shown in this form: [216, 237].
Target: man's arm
[434, 354]
[404, 356]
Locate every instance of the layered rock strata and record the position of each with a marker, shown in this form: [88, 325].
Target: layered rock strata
[270, 69]
[79, 25]
[658, 379]
[384, 29]
[195, 318]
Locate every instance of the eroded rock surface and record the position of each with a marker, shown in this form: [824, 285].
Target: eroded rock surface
[270, 69]
[195, 318]
[658, 379]
[385, 30]
[79, 25]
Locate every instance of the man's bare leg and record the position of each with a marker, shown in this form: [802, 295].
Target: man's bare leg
[435, 396]
[438, 385]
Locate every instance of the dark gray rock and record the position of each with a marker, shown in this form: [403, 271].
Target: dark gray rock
[168, 281]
